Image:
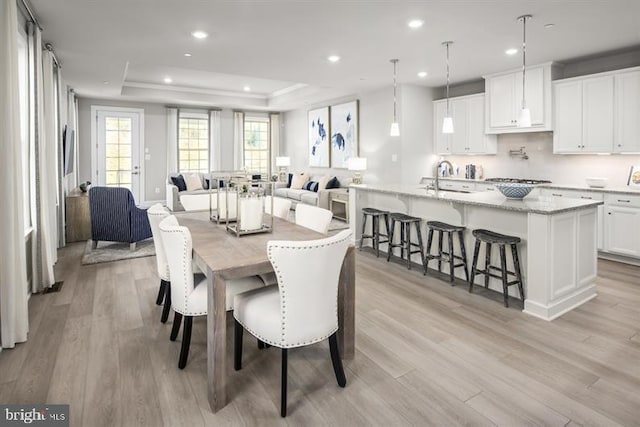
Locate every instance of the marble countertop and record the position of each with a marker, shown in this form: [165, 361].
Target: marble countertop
[617, 189]
[530, 204]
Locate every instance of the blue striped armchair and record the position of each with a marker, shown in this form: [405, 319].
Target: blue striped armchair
[115, 217]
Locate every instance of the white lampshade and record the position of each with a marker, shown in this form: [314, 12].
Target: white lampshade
[524, 121]
[283, 161]
[358, 164]
[395, 129]
[447, 125]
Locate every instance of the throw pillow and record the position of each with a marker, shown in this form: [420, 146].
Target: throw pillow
[193, 181]
[206, 184]
[298, 181]
[178, 181]
[289, 180]
[322, 183]
[333, 183]
[311, 186]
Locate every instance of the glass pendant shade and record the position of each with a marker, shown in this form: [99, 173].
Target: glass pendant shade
[524, 121]
[447, 125]
[395, 129]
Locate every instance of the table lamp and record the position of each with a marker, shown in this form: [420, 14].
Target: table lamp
[357, 164]
[283, 163]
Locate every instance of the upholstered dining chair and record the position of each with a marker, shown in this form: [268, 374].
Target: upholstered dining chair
[281, 206]
[156, 214]
[189, 296]
[313, 217]
[302, 309]
[116, 218]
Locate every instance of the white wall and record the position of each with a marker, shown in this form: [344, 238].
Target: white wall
[155, 135]
[413, 148]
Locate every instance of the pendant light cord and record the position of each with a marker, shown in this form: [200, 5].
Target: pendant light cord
[448, 111]
[395, 117]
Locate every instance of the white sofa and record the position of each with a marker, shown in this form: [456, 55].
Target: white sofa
[194, 198]
[320, 199]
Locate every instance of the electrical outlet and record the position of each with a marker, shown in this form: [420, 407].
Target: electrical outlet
[157, 190]
[394, 157]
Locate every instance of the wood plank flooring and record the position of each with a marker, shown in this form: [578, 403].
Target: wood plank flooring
[427, 353]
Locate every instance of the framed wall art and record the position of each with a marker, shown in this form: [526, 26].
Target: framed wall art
[318, 125]
[344, 133]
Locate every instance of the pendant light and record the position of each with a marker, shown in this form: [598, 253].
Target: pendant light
[524, 119]
[395, 127]
[447, 123]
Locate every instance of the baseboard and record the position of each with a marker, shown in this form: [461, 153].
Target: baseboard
[619, 258]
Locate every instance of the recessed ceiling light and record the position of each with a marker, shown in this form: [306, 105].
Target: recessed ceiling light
[415, 23]
[422, 74]
[547, 26]
[200, 34]
[334, 58]
[188, 55]
[247, 88]
[511, 51]
[106, 82]
[167, 80]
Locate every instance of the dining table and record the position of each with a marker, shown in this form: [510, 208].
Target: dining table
[223, 256]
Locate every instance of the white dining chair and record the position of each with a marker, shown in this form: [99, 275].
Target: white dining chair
[189, 296]
[302, 309]
[313, 217]
[156, 214]
[281, 206]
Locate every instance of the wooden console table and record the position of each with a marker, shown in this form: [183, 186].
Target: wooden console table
[78, 225]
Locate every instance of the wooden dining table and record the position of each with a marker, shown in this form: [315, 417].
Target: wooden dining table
[222, 256]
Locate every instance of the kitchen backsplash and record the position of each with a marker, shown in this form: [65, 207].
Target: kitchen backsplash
[543, 164]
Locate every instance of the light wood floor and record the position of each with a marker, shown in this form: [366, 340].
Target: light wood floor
[427, 354]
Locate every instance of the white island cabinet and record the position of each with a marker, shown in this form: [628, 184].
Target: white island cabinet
[558, 251]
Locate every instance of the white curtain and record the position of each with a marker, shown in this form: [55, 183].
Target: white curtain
[46, 175]
[274, 137]
[14, 321]
[238, 140]
[172, 140]
[215, 136]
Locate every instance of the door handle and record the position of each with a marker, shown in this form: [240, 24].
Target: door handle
[135, 173]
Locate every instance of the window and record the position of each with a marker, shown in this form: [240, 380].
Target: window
[193, 142]
[256, 146]
[118, 152]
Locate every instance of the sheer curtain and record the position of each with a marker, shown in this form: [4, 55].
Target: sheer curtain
[172, 140]
[14, 321]
[238, 140]
[46, 174]
[215, 135]
[274, 138]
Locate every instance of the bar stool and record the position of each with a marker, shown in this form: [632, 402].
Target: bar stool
[405, 244]
[375, 235]
[448, 256]
[489, 238]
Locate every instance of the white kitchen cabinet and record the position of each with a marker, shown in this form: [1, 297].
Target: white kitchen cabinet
[627, 117]
[622, 224]
[584, 115]
[504, 100]
[468, 122]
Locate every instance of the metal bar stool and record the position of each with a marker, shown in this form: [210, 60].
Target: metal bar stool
[489, 238]
[375, 235]
[405, 243]
[449, 255]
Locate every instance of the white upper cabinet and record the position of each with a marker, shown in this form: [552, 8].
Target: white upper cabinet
[504, 100]
[627, 118]
[598, 113]
[468, 137]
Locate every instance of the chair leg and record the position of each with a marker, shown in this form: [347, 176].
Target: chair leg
[132, 246]
[439, 251]
[487, 263]
[427, 251]
[336, 361]
[186, 341]
[161, 291]
[516, 267]
[452, 262]
[364, 227]
[177, 319]
[283, 385]
[474, 263]
[376, 234]
[407, 231]
[390, 244]
[237, 348]
[94, 244]
[503, 264]
[463, 253]
[260, 345]
[420, 244]
[167, 303]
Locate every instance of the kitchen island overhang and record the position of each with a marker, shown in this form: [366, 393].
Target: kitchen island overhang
[559, 236]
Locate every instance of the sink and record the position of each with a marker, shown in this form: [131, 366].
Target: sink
[441, 191]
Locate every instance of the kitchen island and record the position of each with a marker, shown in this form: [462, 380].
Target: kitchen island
[558, 251]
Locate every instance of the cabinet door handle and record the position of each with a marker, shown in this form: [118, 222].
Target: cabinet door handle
[557, 195]
[585, 197]
[624, 201]
[619, 145]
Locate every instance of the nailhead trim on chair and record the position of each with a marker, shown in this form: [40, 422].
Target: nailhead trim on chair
[164, 275]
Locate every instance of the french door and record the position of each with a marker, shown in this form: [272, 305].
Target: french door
[118, 141]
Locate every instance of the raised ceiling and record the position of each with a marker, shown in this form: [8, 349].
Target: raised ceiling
[280, 48]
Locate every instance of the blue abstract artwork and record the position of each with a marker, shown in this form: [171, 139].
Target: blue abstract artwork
[344, 133]
[318, 121]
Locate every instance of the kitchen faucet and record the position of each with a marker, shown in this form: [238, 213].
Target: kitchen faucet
[450, 171]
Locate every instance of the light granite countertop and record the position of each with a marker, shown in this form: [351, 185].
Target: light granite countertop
[617, 189]
[530, 204]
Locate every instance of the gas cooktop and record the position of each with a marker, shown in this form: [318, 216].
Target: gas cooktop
[519, 181]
